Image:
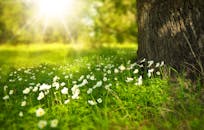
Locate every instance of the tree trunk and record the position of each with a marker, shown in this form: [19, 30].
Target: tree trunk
[172, 31]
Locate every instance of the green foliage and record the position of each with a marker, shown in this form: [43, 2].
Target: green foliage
[114, 21]
[112, 97]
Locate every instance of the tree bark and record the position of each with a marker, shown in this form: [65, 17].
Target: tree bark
[172, 31]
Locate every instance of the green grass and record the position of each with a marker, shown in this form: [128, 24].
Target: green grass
[158, 103]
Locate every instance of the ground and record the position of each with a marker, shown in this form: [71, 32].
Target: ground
[58, 86]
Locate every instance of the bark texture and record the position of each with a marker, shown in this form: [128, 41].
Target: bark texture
[172, 31]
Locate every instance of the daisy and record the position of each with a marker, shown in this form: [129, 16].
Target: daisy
[6, 97]
[157, 64]
[122, 67]
[55, 78]
[54, 123]
[75, 92]
[23, 103]
[99, 100]
[89, 91]
[40, 96]
[35, 89]
[162, 64]
[91, 102]
[135, 71]
[158, 73]
[42, 124]
[129, 79]
[64, 90]
[66, 101]
[56, 85]
[45, 87]
[20, 114]
[26, 90]
[116, 71]
[105, 79]
[11, 92]
[63, 84]
[139, 81]
[40, 112]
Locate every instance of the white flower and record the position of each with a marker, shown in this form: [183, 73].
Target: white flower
[150, 63]
[42, 124]
[66, 77]
[20, 114]
[31, 84]
[11, 92]
[26, 90]
[35, 89]
[92, 77]
[66, 101]
[62, 84]
[139, 81]
[40, 96]
[99, 100]
[143, 60]
[157, 64]
[56, 85]
[64, 90]
[98, 84]
[108, 86]
[162, 64]
[122, 67]
[158, 73]
[23, 103]
[47, 92]
[74, 87]
[105, 79]
[89, 91]
[129, 79]
[109, 71]
[91, 102]
[128, 62]
[5, 87]
[84, 82]
[45, 87]
[55, 78]
[149, 74]
[75, 92]
[76, 95]
[6, 97]
[151, 70]
[74, 82]
[88, 76]
[116, 71]
[81, 78]
[40, 112]
[135, 71]
[54, 123]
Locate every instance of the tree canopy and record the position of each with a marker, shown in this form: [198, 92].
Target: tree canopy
[90, 21]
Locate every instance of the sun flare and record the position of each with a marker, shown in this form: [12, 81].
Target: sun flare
[55, 8]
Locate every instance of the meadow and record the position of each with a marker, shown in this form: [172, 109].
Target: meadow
[59, 86]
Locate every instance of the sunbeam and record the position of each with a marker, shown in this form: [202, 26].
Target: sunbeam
[53, 9]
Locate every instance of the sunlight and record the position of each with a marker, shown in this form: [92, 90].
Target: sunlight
[55, 8]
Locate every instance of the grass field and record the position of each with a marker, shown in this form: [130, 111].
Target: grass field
[57, 86]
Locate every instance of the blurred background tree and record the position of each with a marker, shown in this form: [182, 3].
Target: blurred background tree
[93, 21]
